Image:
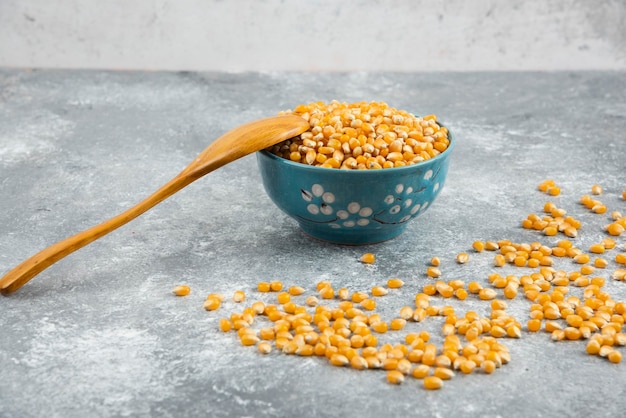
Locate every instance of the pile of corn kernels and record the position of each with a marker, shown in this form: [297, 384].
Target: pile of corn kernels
[362, 136]
[343, 326]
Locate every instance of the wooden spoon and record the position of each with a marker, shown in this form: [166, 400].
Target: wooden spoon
[243, 140]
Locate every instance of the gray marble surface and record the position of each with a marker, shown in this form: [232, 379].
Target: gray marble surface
[100, 334]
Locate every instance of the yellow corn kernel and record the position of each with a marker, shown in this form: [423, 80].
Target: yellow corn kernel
[433, 382]
[358, 362]
[597, 249]
[264, 347]
[420, 371]
[379, 291]
[433, 272]
[491, 246]
[488, 366]
[225, 324]
[276, 286]
[397, 324]
[339, 360]
[582, 258]
[443, 373]
[296, 290]
[368, 258]
[327, 292]
[593, 347]
[248, 339]
[614, 356]
[239, 296]
[435, 262]
[429, 289]
[615, 229]
[487, 294]
[462, 258]
[212, 303]
[380, 327]
[395, 377]
[596, 189]
[460, 294]
[395, 283]
[368, 304]
[499, 260]
[600, 209]
[533, 325]
[474, 287]
[478, 246]
[263, 287]
[444, 289]
[358, 297]
[182, 290]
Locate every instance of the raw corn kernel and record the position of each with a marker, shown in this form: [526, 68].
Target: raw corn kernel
[283, 297]
[263, 287]
[362, 136]
[368, 258]
[478, 246]
[182, 290]
[264, 347]
[225, 324]
[327, 292]
[379, 291]
[596, 189]
[311, 301]
[276, 286]
[433, 382]
[435, 262]
[487, 294]
[462, 258]
[443, 373]
[433, 272]
[296, 290]
[212, 303]
[395, 283]
[239, 296]
[395, 377]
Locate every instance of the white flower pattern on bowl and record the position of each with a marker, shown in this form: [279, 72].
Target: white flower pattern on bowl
[400, 202]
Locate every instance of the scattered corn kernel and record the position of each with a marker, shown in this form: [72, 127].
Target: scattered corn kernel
[395, 377]
[462, 258]
[239, 296]
[596, 189]
[212, 303]
[433, 382]
[395, 283]
[263, 287]
[276, 286]
[433, 272]
[368, 258]
[379, 291]
[182, 290]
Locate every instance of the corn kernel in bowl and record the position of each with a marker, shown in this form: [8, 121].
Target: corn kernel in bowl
[364, 135]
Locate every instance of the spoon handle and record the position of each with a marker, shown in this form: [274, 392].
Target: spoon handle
[238, 142]
[35, 264]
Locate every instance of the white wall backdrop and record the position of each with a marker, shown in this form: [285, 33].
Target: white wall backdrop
[314, 35]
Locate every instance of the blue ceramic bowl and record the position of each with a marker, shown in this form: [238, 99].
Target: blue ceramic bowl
[353, 207]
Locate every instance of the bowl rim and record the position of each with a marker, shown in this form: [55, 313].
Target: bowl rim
[397, 170]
